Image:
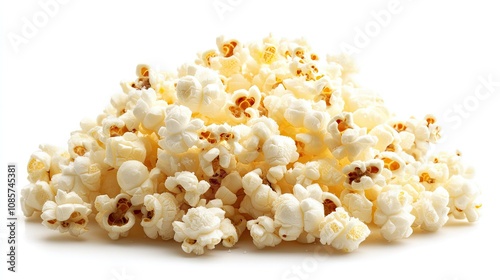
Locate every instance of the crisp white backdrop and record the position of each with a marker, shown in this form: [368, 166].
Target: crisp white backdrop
[425, 57]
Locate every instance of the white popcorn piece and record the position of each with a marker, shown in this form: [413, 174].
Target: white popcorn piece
[150, 111]
[180, 131]
[464, 198]
[357, 205]
[346, 139]
[363, 175]
[393, 214]
[244, 104]
[433, 175]
[120, 149]
[201, 91]
[304, 174]
[80, 144]
[288, 217]
[431, 209]
[135, 180]
[188, 183]
[34, 196]
[199, 229]
[454, 163]
[342, 232]
[159, 211]
[81, 176]
[393, 162]
[115, 215]
[39, 167]
[268, 132]
[68, 213]
[263, 232]
[259, 197]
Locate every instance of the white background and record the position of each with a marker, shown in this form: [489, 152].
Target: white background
[428, 58]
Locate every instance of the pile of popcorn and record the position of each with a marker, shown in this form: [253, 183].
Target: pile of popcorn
[265, 137]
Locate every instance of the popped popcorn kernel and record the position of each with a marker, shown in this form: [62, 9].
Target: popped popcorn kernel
[267, 138]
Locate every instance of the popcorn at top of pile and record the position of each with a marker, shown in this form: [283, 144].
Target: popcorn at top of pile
[268, 137]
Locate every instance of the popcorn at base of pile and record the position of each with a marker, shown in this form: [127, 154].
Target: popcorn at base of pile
[268, 139]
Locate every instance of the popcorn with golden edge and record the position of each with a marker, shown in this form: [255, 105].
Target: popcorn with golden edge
[268, 139]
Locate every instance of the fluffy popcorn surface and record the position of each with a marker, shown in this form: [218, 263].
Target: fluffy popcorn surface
[431, 209]
[464, 198]
[67, 213]
[343, 232]
[288, 217]
[362, 175]
[264, 232]
[159, 211]
[187, 182]
[200, 228]
[115, 215]
[393, 214]
[357, 205]
[180, 131]
[120, 149]
[268, 132]
[134, 179]
[259, 197]
[34, 196]
[39, 167]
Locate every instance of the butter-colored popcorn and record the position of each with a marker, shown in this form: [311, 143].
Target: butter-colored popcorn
[34, 196]
[159, 211]
[264, 137]
[200, 228]
[67, 213]
[135, 180]
[278, 152]
[39, 167]
[263, 232]
[393, 214]
[431, 209]
[259, 197]
[346, 139]
[150, 111]
[120, 149]
[115, 215]
[81, 176]
[464, 198]
[357, 205]
[363, 175]
[188, 183]
[343, 232]
[433, 175]
[201, 91]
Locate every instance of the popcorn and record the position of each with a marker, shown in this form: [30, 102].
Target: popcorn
[135, 179]
[267, 137]
[464, 198]
[189, 184]
[200, 228]
[159, 211]
[115, 215]
[34, 196]
[180, 131]
[363, 175]
[120, 149]
[342, 232]
[263, 232]
[68, 213]
[431, 209]
[393, 214]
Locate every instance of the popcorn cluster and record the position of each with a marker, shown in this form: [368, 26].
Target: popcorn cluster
[265, 137]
